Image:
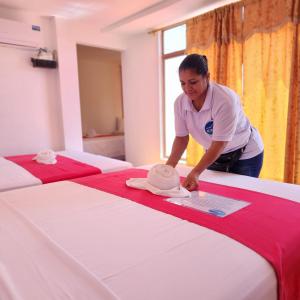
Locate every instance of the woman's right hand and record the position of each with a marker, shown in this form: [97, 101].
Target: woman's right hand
[191, 181]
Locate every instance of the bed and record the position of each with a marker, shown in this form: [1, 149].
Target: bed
[108, 145]
[70, 239]
[14, 176]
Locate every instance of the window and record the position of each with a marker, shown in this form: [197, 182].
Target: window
[174, 39]
[174, 45]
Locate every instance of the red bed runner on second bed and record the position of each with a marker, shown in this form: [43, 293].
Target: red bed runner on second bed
[65, 168]
[270, 225]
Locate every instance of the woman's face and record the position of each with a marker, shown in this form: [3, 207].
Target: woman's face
[193, 84]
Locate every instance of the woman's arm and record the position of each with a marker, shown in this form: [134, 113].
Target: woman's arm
[179, 145]
[214, 151]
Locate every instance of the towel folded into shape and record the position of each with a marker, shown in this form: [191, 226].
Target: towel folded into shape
[161, 180]
[47, 157]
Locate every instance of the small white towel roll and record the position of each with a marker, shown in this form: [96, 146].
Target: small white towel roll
[161, 180]
[47, 157]
[163, 177]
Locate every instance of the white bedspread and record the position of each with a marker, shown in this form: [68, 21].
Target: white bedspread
[12, 176]
[105, 164]
[32, 266]
[137, 252]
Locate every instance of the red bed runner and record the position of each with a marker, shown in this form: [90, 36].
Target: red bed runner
[65, 168]
[270, 225]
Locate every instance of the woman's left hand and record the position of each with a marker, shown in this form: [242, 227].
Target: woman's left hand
[191, 181]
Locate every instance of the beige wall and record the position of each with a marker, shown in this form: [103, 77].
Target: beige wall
[100, 85]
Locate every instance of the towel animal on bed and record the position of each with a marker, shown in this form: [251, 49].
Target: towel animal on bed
[47, 157]
[161, 180]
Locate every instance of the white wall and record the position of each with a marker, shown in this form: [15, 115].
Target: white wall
[140, 70]
[40, 108]
[30, 114]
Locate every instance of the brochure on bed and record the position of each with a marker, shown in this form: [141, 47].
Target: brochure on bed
[216, 205]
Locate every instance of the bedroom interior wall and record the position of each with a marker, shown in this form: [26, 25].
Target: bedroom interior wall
[40, 108]
[141, 96]
[49, 114]
[30, 114]
[100, 85]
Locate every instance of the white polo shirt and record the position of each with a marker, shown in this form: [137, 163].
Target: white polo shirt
[221, 118]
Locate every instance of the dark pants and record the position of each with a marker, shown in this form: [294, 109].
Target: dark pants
[249, 167]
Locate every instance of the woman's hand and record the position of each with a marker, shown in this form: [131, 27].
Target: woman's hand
[191, 181]
[216, 148]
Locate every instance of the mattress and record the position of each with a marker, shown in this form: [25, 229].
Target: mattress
[122, 249]
[13, 176]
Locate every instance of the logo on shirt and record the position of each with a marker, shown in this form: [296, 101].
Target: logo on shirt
[209, 126]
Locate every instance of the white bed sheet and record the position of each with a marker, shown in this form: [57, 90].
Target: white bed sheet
[137, 252]
[34, 267]
[12, 176]
[105, 164]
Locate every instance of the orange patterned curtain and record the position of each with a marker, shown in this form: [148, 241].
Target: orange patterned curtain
[253, 47]
[270, 55]
[218, 35]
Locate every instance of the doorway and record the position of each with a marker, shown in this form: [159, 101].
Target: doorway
[100, 86]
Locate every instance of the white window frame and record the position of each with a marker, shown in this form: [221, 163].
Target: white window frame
[163, 58]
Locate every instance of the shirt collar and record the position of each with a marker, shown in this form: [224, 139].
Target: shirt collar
[207, 103]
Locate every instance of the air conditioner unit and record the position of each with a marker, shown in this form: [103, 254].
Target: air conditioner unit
[20, 34]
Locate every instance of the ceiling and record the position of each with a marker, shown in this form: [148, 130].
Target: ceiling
[123, 16]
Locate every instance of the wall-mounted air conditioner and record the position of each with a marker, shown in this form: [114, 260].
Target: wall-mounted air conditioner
[20, 34]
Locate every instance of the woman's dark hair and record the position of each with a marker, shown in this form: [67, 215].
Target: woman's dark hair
[196, 62]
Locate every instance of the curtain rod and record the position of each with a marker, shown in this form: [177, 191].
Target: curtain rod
[224, 3]
[167, 27]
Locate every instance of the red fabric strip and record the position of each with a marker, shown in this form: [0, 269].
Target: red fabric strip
[270, 225]
[65, 168]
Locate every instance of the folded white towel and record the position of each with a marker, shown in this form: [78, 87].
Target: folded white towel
[47, 157]
[161, 180]
[163, 177]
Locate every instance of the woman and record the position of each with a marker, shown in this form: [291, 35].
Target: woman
[213, 115]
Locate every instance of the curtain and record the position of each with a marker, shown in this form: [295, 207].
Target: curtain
[217, 35]
[270, 82]
[292, 159]
[256, 48]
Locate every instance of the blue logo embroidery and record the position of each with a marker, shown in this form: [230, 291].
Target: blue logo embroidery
[217, 212]
[209, 126]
